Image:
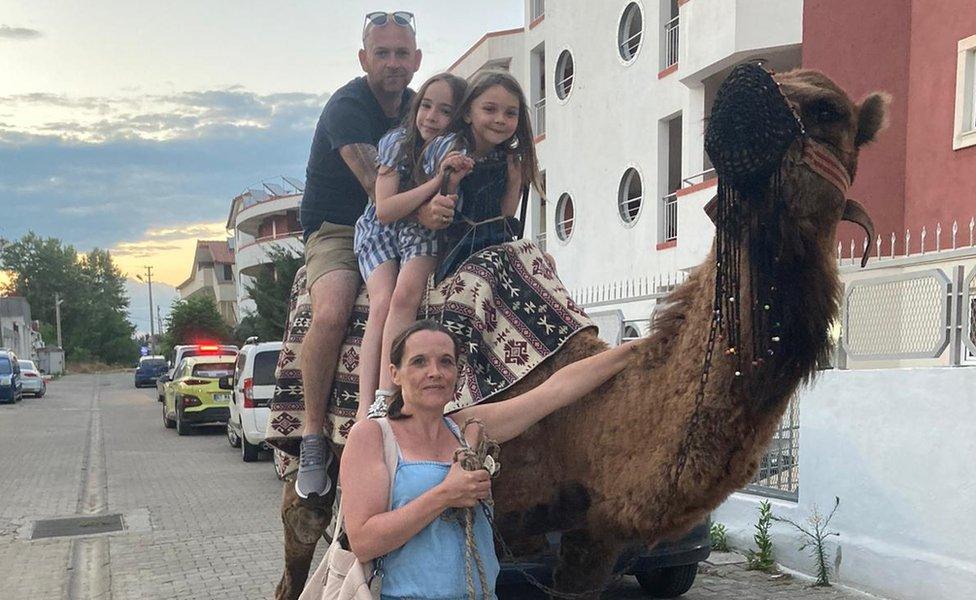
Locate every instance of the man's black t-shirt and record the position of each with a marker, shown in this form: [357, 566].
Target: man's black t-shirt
[351, 116]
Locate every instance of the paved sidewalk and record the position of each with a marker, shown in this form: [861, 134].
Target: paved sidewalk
[202, 524]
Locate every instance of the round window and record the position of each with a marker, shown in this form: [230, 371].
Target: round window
[564, 217]
[564, 74]
[630, 196]
[630, 32]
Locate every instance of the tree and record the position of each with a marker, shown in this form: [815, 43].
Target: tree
[194, 320]
[94, 322]
[270, 292]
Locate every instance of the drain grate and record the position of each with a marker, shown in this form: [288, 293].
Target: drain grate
[73, 526]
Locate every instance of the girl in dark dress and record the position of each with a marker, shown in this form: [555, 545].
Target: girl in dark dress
[492, 127]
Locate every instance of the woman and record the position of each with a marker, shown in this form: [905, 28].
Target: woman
[423, 553]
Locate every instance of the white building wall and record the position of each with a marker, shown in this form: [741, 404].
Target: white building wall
[615, 118]
[895, 446]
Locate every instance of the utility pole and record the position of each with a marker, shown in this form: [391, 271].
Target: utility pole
[159, 319]
[152, 327]
[57, 316]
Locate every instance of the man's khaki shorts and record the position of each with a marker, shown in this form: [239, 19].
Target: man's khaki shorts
[330, 249]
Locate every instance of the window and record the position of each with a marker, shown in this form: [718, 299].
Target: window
[564, 74]
[630, 196]
[630, 32]
[228, 273]
[965, 118]
[264, 367]
[564, 217]
[214, 370]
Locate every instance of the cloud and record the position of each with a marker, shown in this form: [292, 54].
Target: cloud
[184, 115]
[142, 174]
[18, 33]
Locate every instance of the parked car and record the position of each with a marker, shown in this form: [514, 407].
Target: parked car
[187, 350]
[10, 381]
[149, 369]
[252, 387]
[193, 396]
[31, 381]
[667, 570]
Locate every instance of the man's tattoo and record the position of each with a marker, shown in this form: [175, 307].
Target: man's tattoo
[361, 159]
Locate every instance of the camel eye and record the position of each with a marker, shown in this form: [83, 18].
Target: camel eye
[824, 112]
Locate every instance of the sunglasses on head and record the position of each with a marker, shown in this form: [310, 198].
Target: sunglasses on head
[380, 18]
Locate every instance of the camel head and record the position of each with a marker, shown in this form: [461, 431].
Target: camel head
[785, 149]
[835, 128]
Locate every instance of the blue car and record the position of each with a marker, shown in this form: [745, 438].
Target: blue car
[149, 370]
[10, 385]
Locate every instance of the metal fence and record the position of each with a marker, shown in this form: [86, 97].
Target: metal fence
[538, 9]
[779, 468]
[671, 43]
[540, 116]
[897, 317]
[670, 203]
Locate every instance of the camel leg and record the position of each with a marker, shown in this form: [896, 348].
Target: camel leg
[304, 525]
[586, 562]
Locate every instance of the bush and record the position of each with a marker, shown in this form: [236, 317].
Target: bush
[762, 558]
[718, 538]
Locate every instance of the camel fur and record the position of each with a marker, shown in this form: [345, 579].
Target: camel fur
[601, 470]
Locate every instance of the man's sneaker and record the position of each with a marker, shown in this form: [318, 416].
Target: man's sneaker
[313, 467]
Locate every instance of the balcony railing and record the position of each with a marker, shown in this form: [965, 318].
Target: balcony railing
[699, 177]
[670, 217]
[540, 240]
[270, 238]
[671, 43]
[538, 9]
[540, 116]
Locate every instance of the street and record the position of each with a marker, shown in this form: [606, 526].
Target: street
[199, 522]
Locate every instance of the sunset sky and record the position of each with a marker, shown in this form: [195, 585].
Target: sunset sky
[130, 125]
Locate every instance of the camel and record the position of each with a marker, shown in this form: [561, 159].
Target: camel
[603, 471]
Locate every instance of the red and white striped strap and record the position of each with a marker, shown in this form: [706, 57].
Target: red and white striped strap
[823, 162]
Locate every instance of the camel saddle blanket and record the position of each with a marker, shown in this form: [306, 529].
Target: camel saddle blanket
[505, 304]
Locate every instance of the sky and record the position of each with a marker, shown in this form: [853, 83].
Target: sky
[130, 125]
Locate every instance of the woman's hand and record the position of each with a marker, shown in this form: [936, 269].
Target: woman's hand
[463, 489]
[438, 213]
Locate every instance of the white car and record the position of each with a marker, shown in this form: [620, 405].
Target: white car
[31, 380]
[253, 387]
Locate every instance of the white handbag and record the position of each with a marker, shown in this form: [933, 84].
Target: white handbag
[340, 575]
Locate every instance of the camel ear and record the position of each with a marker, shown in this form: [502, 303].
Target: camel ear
[872, 117]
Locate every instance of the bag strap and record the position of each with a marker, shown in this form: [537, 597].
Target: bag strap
[391, 456]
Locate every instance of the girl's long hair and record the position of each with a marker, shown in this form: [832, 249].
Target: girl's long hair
[411, 150]
[397, 349]
[522, 143]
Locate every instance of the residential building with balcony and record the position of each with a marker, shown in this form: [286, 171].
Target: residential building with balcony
[620, 92]
[212, 275]
[263, 217]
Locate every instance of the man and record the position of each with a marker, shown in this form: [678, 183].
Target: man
[340, 179]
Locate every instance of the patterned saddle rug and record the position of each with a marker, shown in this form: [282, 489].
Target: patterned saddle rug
[506, 305]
